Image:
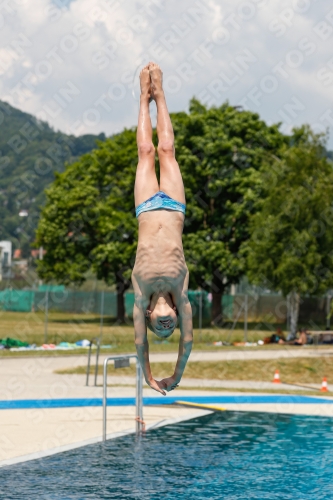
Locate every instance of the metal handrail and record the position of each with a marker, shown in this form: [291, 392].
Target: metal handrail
[98, 341]
[139, 393]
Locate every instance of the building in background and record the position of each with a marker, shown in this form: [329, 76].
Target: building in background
[5, 258]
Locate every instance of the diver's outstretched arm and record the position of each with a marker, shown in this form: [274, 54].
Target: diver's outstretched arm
[142, 349]
[185, 341]
[185, 348]
[186, 337]
[141, 340]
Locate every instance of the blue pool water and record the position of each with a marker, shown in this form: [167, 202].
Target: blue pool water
[236, 456]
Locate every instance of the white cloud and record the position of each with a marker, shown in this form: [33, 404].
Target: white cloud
[75, 64]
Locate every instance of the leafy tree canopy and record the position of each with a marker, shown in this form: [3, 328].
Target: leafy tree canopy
[221, 151]
[89, 221]
[291, 244]
[290, 247]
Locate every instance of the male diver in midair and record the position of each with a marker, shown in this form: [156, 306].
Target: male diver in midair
[160, 275]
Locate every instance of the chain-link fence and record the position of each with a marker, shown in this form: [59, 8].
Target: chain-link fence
[236, 308]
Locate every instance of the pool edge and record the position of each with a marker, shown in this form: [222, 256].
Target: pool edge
[68, 447]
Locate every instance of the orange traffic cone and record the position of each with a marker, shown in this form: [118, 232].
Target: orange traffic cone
[276, 379]
[324, 387]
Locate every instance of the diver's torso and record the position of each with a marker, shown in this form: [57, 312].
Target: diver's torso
[160, 263]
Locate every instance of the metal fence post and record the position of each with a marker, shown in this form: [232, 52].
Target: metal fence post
[245, 318]
[288, 312]
[46, 317]
[100, 336]
[102, 315]
[200, 314]
[328, 312]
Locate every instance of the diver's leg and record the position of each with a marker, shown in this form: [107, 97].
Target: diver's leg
[171, 181]
[146, 184]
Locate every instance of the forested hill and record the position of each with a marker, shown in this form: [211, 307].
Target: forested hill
[30, 152]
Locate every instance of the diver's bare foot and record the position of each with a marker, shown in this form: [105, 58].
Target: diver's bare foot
[156, 77]
[145, 83]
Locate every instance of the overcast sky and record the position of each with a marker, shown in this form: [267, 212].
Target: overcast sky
[76, 63]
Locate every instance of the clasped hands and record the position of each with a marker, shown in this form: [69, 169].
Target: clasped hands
[167, 384]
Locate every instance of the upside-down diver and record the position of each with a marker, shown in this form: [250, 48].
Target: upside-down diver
[160, 275]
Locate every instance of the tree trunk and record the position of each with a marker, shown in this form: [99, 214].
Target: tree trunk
[121, 306]
[217, 316]
[122, 286]
[217, 293]
[294, 301]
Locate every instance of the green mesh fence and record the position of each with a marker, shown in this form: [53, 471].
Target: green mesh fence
[194, 298]
[228, 306]
[51, 288]
[77, 302]
[264, 308]
[17, 300]
[62, 300]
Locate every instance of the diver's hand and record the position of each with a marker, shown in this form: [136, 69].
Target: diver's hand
[169, 384]
[157, 386]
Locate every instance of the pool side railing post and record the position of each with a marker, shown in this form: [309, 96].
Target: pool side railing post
[89, 358]
[105, 369]
[97, 358]
[139, 390]
[138, 396]
[88, 364]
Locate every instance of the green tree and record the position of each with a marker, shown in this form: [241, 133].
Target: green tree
[89, 222]
[220, 152]
[291, 243]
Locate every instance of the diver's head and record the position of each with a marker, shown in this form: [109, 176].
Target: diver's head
[162, 315]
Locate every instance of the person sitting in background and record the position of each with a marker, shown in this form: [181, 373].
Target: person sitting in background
[275, 337]
[303, 339]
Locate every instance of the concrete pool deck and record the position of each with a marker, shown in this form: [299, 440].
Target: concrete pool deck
[36, 431]
[41, 430]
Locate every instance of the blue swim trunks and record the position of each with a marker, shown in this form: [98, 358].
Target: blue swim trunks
[160, 201]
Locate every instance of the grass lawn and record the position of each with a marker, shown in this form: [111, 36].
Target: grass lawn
[297, 371]
[280, 390]
[30, 327]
